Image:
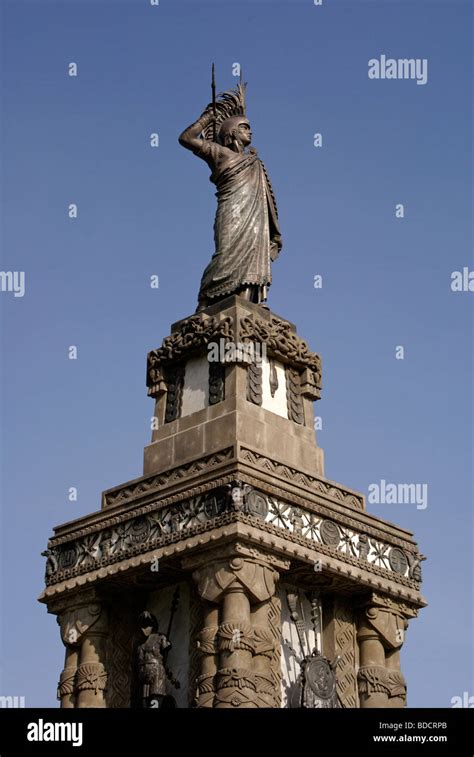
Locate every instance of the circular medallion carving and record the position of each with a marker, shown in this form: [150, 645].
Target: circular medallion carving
[139, 530]
[398, 560]
[67, 557]
[257, 504]
[330, 533]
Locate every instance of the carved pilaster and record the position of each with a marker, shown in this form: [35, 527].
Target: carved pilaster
[340, 640]
[120, 643]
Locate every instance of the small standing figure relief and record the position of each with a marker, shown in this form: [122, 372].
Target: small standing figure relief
[363, 545]
[51, 562]
[151, 661]
[296, 520]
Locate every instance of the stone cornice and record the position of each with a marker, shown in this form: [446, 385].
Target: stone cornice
[92, 551]
[251, 531]
[360, 521]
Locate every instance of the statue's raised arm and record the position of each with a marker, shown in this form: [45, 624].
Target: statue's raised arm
[246, 232]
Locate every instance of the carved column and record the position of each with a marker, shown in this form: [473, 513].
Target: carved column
[66, 692]
[91, 677]
[264, 653]
[397, 684]
[207, 646]
[83, 623]
[372, 676]
[241, 579]
[381, 633]
[236, 685]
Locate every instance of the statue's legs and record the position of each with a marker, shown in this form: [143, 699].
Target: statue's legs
[250, 292]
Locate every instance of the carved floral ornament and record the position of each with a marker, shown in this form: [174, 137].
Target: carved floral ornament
[194, 334]
[375, 679]
[212, 509]
[199, 330]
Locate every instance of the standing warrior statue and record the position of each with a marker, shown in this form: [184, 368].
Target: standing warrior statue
[246, 232]
[151, 660]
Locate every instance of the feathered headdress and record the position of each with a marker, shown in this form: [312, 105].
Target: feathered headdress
[229, 104]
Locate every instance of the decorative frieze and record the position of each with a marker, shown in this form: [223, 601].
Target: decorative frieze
[208, 510]
[153, 484]
[312, 483]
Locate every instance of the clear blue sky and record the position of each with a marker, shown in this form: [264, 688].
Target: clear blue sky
[144, 211]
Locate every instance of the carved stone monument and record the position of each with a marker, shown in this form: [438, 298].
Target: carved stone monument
[233, 508]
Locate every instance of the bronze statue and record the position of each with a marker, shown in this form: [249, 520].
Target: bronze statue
[151, 662]
[246, 232]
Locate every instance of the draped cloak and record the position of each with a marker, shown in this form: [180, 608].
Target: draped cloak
[246, 232]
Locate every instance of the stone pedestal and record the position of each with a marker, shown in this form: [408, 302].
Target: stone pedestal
[233, 538]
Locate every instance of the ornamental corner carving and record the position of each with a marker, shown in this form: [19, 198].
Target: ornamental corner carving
[377, 679]
[91, 676]
[282, 343]
[194, 334]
